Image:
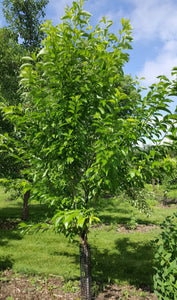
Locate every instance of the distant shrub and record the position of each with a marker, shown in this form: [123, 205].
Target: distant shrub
[165, 278]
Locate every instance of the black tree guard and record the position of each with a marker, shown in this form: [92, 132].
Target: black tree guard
[85, 271]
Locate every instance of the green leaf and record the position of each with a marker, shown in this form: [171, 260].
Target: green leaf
[123, 21]
[26, 65]
[81, 221]
[27, 58]
[171, 137]
[70, 160]
[101, 110]
[43, 51]
[85, 13]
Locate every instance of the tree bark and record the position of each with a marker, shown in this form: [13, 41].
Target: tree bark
[165, 198]
[25, 206]
[153, 184]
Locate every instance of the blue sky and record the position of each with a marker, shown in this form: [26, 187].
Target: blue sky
[154, 25]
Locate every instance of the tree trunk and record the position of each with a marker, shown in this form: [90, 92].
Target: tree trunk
[165, 198]
[153, 184]
[85, 270]
[25, 206]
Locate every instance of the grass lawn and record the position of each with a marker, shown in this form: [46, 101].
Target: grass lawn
[118, 256]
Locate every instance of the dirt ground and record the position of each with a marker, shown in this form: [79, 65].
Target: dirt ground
[20, 287]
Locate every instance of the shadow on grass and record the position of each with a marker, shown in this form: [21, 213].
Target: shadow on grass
[113, 213]
[73, 264]
[6, 262]
[37, 212]
[12, 212]
[129, 262]
[7, 235]
[110, 212]
[111, 219]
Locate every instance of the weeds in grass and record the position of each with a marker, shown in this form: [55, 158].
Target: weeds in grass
[143, 294]
[96, 288]
[132, 224]
[51, 288]
[70, 286]
[34, 280]
[39, 288]
[125, 294]
[4, 279]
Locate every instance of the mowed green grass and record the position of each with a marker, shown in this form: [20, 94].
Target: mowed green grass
[120, 257]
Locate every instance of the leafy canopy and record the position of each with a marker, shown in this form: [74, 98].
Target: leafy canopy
[82, 119]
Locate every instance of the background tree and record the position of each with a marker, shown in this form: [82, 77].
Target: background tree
[25, 18]
[128, 86]
[10, 60]
[171, 180]
[12, 170]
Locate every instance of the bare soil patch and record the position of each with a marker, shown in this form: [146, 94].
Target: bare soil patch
[20, 287]
[139, 228]
[114, 292]
[124, 228]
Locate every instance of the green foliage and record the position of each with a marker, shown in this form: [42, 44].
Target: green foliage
[171, 89]
[132, 224]
[170, 180]
[70, 286]
[82, 119]
[165, 279]
[10, 60]
[74, 222]
[25, 18]
[12, 154]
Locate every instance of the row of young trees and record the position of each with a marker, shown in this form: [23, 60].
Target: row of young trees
[75, 125]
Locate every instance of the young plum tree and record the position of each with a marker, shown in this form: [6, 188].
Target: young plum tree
[81, 139]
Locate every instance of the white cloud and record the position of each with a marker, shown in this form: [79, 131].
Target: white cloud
[162, 64]
[154, 19]
[155, 22]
